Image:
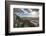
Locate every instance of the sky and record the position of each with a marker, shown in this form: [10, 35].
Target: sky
[27, 14]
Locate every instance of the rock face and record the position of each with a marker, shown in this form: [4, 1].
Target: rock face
[23, 22]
